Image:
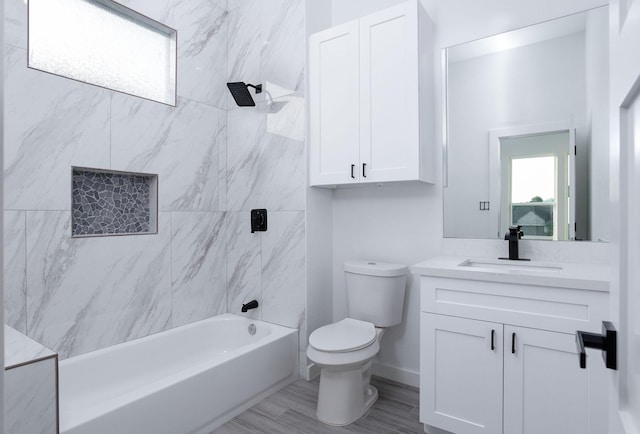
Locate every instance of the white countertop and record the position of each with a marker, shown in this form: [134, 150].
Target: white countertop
[562, 275]
[20, 349]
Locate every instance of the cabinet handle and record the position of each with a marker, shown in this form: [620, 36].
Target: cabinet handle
[513, 343]
[352, 167]
[493, 336]
[363, 166]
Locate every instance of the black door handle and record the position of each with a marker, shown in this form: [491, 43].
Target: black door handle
[363, 166]
[352, 167]
[493, 343]
[513, 343]
[607, 342]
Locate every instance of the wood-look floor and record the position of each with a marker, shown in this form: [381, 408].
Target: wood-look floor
[293, 410]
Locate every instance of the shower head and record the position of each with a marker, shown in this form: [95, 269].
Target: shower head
[240, 92]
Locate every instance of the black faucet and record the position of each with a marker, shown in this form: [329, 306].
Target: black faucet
[251, 305]
[514, 234]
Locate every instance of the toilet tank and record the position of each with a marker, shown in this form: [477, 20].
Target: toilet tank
[375, 291]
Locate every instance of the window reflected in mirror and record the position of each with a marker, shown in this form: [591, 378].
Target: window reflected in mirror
[532, 201]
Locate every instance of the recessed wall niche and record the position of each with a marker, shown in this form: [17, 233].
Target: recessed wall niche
[107, 203]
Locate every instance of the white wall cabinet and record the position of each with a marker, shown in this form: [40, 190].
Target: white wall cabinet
[371, 104]
[502, 358]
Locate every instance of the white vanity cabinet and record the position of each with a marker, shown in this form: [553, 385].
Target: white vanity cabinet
[498, 351]
[371, 105]
[545, 391]
[460, 376]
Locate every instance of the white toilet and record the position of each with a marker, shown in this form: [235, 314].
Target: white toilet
[344, 350]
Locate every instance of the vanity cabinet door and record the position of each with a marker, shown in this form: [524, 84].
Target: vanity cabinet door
[461, 374]
[334, 78]
[545, 391]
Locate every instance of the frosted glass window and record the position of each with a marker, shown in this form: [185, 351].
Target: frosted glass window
[103, 43]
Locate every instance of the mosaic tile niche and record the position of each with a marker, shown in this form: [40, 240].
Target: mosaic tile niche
[113, 203]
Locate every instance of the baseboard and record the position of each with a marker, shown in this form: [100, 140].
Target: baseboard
[433, 430]
[399, 375]
[312, 371]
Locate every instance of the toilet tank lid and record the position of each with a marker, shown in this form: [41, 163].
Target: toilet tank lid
[375, 268]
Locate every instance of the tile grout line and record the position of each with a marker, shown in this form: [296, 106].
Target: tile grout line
[171, 319]
[26, 282]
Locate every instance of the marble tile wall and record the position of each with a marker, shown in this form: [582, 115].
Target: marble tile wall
[77, 295]
[31, 398]
[15, 277]
[214, 162]
[30, 385]
[266, 166]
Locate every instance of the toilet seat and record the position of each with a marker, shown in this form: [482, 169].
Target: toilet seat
[343, 336]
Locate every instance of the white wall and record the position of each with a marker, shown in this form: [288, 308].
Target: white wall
[318, 15]
[403, 223]
[319, 247]
[1, 223]
[397, 223]
[343, 11]
[466, 20]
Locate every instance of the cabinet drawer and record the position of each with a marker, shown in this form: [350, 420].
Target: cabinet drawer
[560, 309]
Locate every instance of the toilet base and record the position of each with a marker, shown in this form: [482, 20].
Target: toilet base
[344, 396]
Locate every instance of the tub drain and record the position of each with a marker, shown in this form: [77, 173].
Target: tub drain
[252, 329]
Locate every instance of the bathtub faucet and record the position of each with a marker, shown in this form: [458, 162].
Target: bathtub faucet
[251, 305]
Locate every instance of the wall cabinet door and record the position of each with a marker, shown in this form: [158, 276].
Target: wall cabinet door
[334, 79]
[461, 374]
[545, 391]
[389, 95]
[370, 95]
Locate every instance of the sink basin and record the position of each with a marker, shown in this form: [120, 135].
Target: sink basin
[508, 266]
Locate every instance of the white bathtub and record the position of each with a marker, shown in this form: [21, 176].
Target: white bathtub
[190, 379]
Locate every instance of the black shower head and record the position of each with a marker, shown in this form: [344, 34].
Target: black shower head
[240, 92]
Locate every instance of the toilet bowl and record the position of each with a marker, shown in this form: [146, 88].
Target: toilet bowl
[344, 350]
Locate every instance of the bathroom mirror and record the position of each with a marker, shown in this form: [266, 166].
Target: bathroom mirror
[526, 132]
